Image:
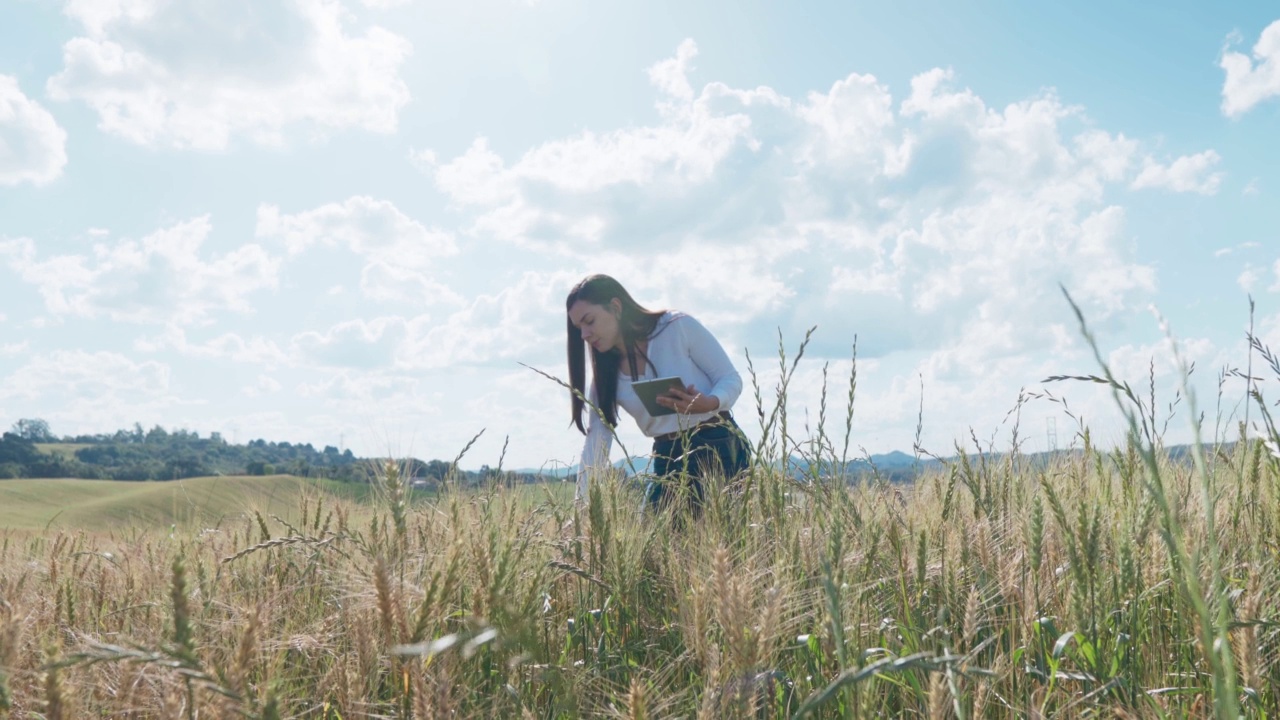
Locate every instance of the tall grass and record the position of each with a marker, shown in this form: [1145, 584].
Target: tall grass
[1091, 583]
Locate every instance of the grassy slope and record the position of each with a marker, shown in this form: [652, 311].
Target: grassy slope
[102, 504]
[66, 450]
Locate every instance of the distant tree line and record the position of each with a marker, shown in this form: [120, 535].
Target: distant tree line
[31, 450]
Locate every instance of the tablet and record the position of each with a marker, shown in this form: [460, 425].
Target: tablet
[649, 390]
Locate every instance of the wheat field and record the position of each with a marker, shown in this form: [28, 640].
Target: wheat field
[990, 590]
[1093, 583]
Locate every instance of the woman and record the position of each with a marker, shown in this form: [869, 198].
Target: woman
[629, 343]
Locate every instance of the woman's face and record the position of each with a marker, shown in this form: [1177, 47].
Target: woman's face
[598, 323]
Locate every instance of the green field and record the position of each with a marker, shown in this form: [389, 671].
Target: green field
[66, 451]
[104, 504]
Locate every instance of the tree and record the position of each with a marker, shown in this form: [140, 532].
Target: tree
[33, 429]
[437, 469]
[17, 450]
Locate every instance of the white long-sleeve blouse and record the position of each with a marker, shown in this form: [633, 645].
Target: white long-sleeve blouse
[679, 346]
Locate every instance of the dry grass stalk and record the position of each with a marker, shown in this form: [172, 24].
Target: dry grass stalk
[982, 693]
[708, 705]
[695, 619]
[637, 703]
[56, 705]
[732, 614]
[242, 667]
[388, 614]
[972, 610]
[1244, 639]
[10, 636]
[939, 697]
[423, 700]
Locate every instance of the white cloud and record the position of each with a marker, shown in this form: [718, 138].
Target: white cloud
[1247, 84]
[362, 224]
[162, 278]
[434, 413]
[1250, 245]
[851, 125]
[516, 322]
[354, 344]
[1251, 188]
[551, 196]
[1248, 278]
[1111, 157]
[1275, 286]
[33, 147]
[477, 177]
[265, 385]
[945, 214]
[1135, 363]
[1143, 365]
[384, 281]
[931, 97]
[255, 350]
[671, 76]
[1189, 173]
[85, 376]
[92, 392]
[742, 287]
[1269, 332]
[345, 387]
[196, 74]
[402, 257]
[14, 349]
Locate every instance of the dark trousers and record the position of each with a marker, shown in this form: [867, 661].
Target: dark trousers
[706, 450]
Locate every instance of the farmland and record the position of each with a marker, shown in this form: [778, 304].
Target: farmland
[988, 591]
[1129, 581]
[104, 505]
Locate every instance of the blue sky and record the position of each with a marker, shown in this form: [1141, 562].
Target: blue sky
[349, 221]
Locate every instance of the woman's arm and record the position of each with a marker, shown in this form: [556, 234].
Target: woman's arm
[707, 353]
[595, 449]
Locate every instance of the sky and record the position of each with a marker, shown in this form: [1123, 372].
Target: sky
[354, 222]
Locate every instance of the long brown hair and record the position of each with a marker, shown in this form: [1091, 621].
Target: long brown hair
[636, 323]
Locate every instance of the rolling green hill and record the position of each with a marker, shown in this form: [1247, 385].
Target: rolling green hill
[67, 451]
[104, 504]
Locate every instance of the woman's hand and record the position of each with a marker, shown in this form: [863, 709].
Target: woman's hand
[689, 401]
